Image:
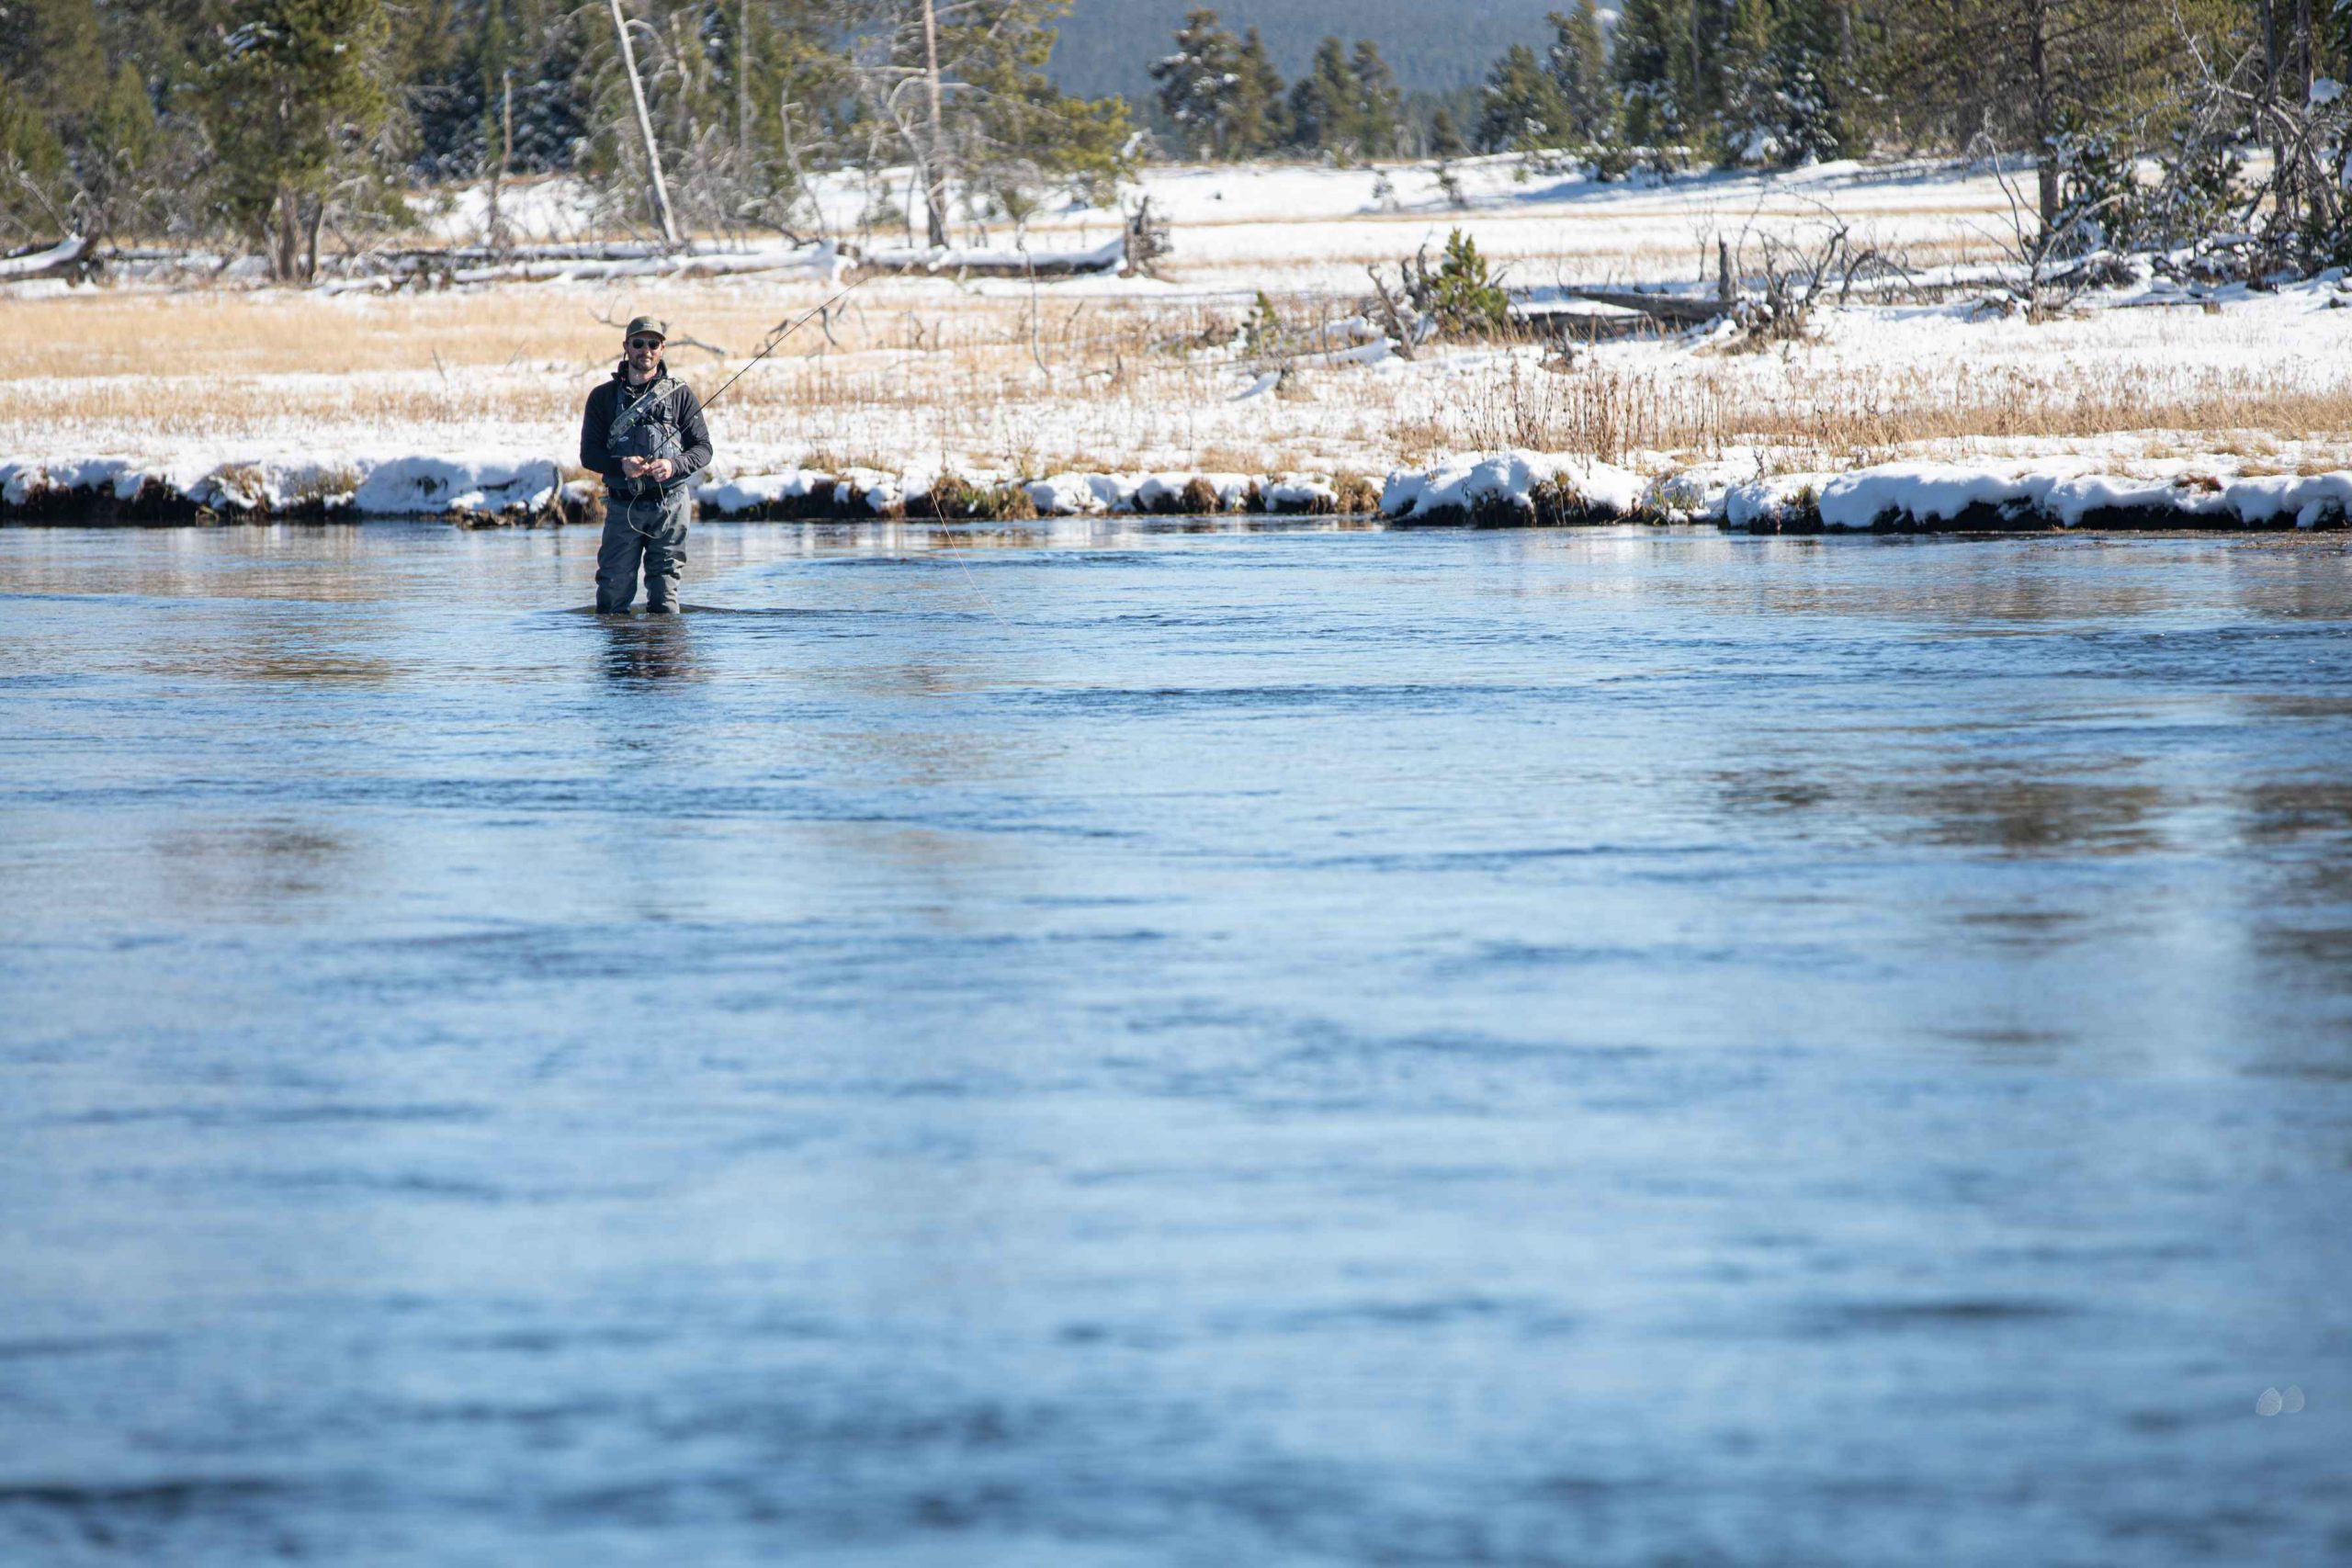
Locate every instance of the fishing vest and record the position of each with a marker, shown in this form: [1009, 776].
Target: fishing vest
[647, 426]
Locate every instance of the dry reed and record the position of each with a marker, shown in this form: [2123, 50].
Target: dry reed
[924, 373]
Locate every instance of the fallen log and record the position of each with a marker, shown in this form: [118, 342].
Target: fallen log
[1682, 309]
[1102, 261]
[56, 258]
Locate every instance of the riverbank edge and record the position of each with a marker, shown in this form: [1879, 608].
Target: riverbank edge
[1501, 489]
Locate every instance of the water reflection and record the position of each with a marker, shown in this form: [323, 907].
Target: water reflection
[649, 649]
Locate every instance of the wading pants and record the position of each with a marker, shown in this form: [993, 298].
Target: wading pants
[652, 530]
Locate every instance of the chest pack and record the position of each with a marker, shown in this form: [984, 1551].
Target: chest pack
[650, 417]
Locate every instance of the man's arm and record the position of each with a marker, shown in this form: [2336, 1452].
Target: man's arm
[595, 453]
[693, 435]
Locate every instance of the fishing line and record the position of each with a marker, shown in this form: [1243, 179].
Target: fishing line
[986, 603]
[778, 334]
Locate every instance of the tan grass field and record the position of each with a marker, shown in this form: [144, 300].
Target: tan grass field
[1136, 374]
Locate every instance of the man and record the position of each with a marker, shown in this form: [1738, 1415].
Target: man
[643, 433]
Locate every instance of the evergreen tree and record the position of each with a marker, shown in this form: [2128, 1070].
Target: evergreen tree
[1781, 94]
[1579, 67]
[49, 53]
[2009, 71]
[460, 58]
[1376, 122]
[1651, 67]
[1521, 110]
[1445, 137]
[1808, 83]
[1200, 85]
[36, 187]
[1323, 102]
[119, 146]
[1009, 129]
[1260, 122]
[294, 102]
[788, 72]
[1747, 128]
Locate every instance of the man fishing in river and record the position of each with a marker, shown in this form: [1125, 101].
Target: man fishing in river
[644, 432]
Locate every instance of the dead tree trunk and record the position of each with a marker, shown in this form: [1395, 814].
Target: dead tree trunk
[934, 194]
[743, 90]
[2045, 113]
[645, 128]
[2270, 95]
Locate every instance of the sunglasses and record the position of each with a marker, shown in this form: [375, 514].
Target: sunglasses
[645, 343]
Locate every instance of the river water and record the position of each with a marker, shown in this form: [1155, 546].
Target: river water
[1116, 1045]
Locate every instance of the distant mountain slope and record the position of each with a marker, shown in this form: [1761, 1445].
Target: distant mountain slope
[1107, 46]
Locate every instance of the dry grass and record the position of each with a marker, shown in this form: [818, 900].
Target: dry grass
[1871, 414]
[927, 373]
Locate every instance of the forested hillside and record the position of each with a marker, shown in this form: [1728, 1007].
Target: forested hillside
[284, 127]
[1431, 45]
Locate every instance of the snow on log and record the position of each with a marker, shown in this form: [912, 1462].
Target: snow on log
[1108, 257]
[64, 253]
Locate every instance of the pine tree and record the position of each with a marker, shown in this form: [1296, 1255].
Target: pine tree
[36, 187]
[1748, 126]
[1651, 67]
[797, 84]
[1261, 121]
[119, 143]
[1521, 110]
[1445, 137]
[50, 52]
[1010, 130]
[1375, 119]
[1322, 102]
[293, 99]
[2011, 70]
[1814, 83]
[1199, 83]
[1579, 63]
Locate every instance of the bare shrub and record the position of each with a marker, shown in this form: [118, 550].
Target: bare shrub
[1358, 495]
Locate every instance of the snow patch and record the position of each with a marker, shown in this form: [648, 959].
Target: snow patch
[429, 486]
[1531, 485]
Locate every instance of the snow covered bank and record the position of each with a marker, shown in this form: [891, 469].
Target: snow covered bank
[1948, 498]
[863, 493]
[1516, 489]
[1529, 488]
[506, 488]
[498, 487]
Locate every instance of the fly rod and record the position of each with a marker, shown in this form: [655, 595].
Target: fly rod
[782, 332]
[776, 339]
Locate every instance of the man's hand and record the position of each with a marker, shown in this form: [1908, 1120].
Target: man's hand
[660, 469]
[648, 469]
[632, 468]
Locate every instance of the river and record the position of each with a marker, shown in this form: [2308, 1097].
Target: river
[1117, 1045]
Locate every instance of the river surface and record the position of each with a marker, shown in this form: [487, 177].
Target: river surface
[1127, 1046]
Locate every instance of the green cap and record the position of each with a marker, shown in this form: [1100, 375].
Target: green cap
[644, 324]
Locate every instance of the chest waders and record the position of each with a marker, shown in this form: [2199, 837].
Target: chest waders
[648, 523]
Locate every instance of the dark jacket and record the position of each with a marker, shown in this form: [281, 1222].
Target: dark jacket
[673, 430]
